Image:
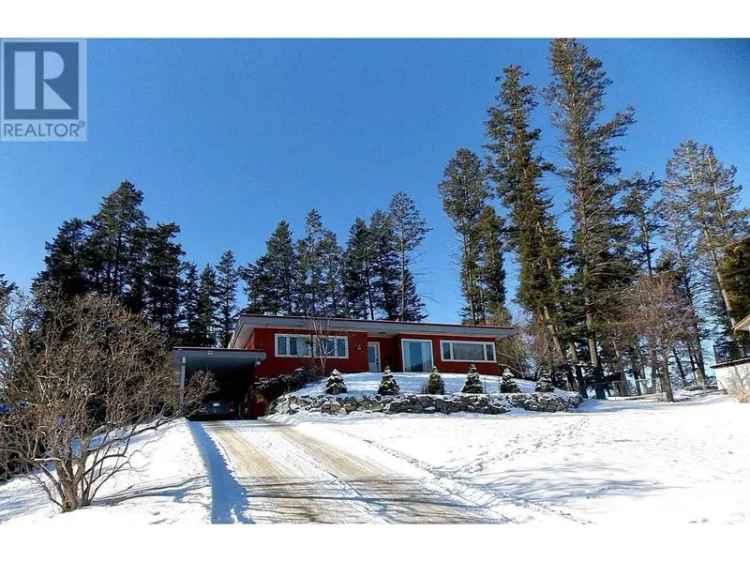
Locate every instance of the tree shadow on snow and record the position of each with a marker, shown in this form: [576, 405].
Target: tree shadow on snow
[228, 497]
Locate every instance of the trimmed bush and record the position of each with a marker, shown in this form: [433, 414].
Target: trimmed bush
[335, 383]
[544, 384]
[473, 384]
[388, 384]
[435, 384]
[507, 384]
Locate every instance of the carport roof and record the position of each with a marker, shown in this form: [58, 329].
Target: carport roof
[217, 356]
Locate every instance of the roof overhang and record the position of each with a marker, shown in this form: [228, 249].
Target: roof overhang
[743, 324]
[216, 358]
[247, 323]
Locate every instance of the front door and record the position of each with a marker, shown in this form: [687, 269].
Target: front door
[417, 355]
[373, 356]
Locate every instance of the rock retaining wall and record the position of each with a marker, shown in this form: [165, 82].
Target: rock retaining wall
[424, 403]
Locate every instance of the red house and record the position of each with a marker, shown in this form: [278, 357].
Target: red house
[366, 345]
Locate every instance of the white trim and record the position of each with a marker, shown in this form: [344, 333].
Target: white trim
[312, 338]
[482, 343]
[403, 351]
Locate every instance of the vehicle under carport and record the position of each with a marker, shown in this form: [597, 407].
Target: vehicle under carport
[234, 374]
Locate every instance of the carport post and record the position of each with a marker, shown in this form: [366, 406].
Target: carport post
[183, 369]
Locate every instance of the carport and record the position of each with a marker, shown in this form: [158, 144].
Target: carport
[233, 369]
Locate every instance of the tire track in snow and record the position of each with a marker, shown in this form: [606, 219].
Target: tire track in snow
[281, 492]
[473, 492]
[398, 498]
[386, 494]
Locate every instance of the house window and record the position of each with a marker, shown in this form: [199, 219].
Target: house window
[470, 351]
[288, 345]
[336, 347]
[294, 345]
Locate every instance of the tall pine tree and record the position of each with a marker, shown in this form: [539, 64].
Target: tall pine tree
[409, 230]
[385, 265]
[702, 190]
[576, 95]
[162, 269]
[516, 170]
[464, 195]
[227, 279]
[359, 272]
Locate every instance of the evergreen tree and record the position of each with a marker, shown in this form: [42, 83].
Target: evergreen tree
[413, 305]
[701, 190]
[491, 270]
[207, 318]
[272, 282]
[507, 383]
[517, 171]
[409, 229]
[117, 245]
[359, 272]
[6, 288]
[162, 269]
[643, 216]
[191, 332]
[385, 265]
[66, 264]
[335, 383]
[388, 384]
[544, 384]
[598, 254]
[435, 384]
[473, 384]
[227, 279]
[331, 255]
[312, 290]
[464, 196]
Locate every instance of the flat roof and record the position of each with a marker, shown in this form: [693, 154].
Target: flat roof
[248, 322]
[217, 356]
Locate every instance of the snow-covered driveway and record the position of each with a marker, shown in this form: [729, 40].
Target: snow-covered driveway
[292, 477]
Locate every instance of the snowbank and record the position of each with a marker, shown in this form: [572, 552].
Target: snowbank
[168, 485]
[632, 463]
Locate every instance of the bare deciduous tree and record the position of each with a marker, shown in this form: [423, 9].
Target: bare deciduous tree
[656, 312]
[322, 344]
[78, 387]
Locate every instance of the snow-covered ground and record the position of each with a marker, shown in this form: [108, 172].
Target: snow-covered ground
[622, 461]
[169, 484]
[636, 463]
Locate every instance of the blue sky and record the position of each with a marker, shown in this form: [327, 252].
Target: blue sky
[226, 138]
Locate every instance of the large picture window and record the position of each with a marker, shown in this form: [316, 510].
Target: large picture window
[471, 351]
[297, 345]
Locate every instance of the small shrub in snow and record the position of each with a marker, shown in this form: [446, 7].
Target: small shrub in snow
[473, 384]
[507, 384]
[335, 383]
[435, 384]
[544, 384]
[388, 384]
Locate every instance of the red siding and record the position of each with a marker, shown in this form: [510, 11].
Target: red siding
[263, 339]
[390, 353]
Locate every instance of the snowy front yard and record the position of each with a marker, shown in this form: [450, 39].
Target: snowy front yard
[631, 462]
[636, 463]
[168, 485]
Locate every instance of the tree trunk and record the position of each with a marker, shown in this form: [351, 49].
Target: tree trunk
[665, 382]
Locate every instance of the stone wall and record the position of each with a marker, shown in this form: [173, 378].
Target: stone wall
[424, 403]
